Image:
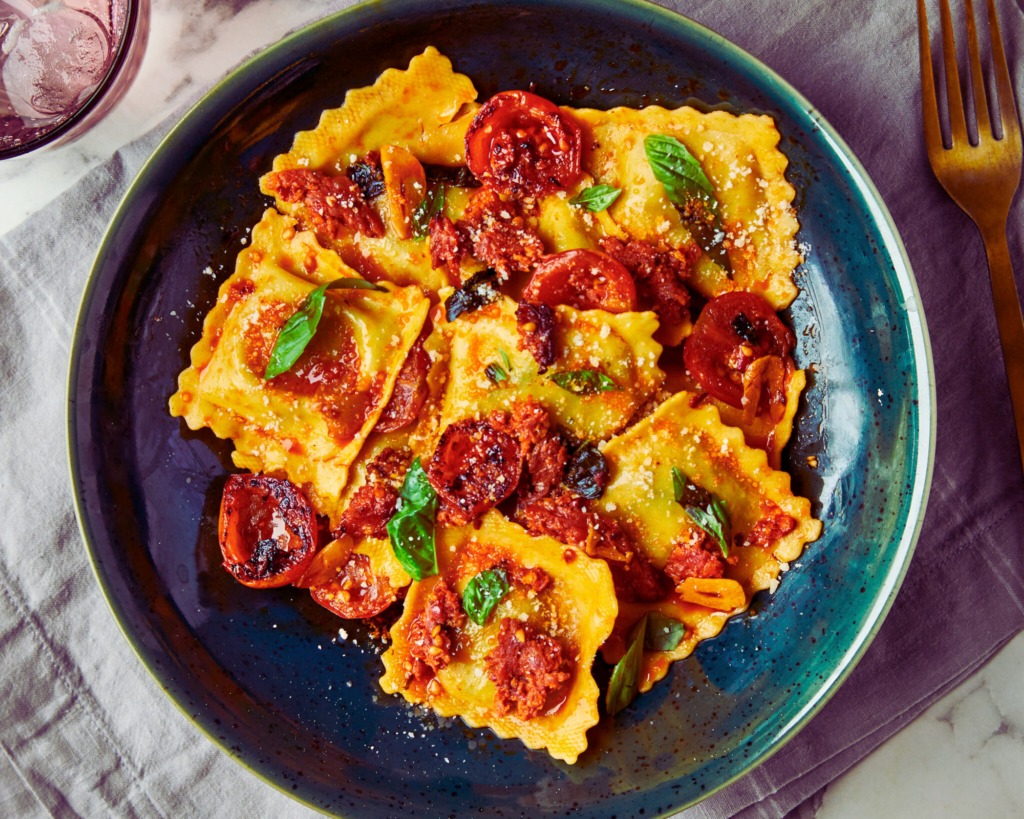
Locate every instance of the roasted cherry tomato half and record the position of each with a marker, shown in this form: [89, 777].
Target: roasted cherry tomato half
[733, 331]
[584, 279]
[409, 393]
[521, 144]
[474, 468]
[356, 592]
[268, 531]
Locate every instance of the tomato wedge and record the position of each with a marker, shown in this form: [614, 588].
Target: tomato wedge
[356, 592]
[584, 279]
[521, 144]
[733, 331]
[409, 393]
[474, 468]
[267, 530]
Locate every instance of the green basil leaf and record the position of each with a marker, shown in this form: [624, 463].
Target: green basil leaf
[678, 483]
[688, 493]
[300, 328]
[678, 171]
[504, 359]
[596, 198]
[483, 593]
[625, 681]
[296, 333]
[709, 236]
[583, 382]
[356, 284]
[496, 373]
[714, 521]
[411, 528]
[689, 189]
[664, 633]
[427, 210]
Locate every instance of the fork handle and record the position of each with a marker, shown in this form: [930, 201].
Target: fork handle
[1008, 316]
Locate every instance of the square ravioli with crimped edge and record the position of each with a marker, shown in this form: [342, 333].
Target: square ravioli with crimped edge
[559, 604]
[425, 111]
[770, 526]
[619, 346]
[760, 431]
[309, 423]
[740, 156]
[592, 440]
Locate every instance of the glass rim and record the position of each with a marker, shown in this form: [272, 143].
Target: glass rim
[123, 47]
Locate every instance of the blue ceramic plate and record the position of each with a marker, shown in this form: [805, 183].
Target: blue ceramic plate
[261, 673]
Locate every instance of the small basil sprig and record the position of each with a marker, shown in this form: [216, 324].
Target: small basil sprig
[705, 509]
[583, 382]
[299, 330]
[411, 528]
[478, 291]
[690, 190]
[625, 681]
[504, 359]
[426, 210]
[483, 593]
[596, 198]
[663, 633]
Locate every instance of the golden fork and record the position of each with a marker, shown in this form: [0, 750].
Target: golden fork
[981, 179]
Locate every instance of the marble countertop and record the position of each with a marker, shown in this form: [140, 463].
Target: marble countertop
[963, 757]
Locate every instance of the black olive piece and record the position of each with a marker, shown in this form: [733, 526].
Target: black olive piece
[368, 174]
[587, 473]
[459, 177]
[476, 293]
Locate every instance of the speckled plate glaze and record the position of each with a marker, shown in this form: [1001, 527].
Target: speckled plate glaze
[263, 673]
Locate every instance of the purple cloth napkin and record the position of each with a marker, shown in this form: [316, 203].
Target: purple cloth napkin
[963, 597]
[84, 731]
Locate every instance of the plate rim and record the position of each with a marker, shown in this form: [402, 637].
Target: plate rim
[670, 21]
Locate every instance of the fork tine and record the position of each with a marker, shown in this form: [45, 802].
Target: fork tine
[977, 80]
[957, 122]
[1007, 108]
[932, 131]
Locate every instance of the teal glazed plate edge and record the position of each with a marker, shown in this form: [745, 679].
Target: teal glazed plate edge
[266, 675]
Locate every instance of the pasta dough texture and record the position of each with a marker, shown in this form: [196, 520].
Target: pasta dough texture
[577, 608]
[308, 424]
[531, 433]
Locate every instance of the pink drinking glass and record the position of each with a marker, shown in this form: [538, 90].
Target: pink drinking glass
[63, 66]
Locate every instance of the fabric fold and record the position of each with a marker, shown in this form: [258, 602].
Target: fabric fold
[85, 731]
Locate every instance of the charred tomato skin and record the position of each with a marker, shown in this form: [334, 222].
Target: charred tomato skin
[474, 467]
[521, 144]
[267, 531]
[734, 330]
[584, 279]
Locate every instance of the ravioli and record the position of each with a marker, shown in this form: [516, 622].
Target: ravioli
[641, 498]
[740, 156]
[308, 424]
[620, 346]
[317, 424]
[425, 109]
[577, 609]
[762, 432]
